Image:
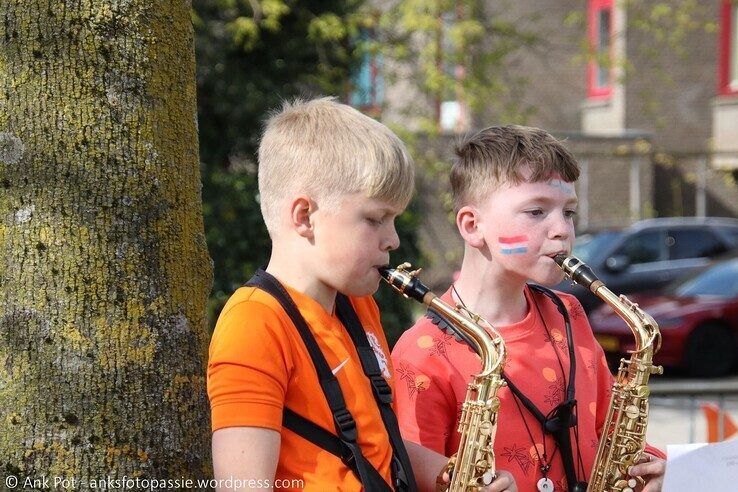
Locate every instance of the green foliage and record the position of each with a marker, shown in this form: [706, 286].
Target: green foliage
[453, 50]
[669, 23]
[252, 55]
[667, 27]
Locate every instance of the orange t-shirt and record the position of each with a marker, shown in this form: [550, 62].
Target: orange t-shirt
[258, 364]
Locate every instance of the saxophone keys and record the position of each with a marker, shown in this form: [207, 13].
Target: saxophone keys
[493, 404]
[643, 391]
[631, 485]
[632, 411]
[488, 477]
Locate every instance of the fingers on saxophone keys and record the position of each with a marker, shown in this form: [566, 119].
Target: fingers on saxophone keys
[502, 483]
[654, 466]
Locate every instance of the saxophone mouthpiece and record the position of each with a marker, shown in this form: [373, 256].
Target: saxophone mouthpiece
[578, 271]
[559, 259]
[405, 281]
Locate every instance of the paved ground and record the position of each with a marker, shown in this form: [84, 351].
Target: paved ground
[676, 416]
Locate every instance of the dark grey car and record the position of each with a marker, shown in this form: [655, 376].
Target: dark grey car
[651, 253]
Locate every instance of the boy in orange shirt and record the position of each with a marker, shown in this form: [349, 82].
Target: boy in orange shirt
[515, 202]
[331, 183]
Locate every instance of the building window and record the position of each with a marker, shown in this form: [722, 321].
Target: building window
[728, 76]
[599, 24]
[367, 83]
[451, 111]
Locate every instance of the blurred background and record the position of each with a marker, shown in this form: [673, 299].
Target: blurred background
[644, 93]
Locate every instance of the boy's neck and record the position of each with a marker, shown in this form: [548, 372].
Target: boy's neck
[487, 292]
[293, 273]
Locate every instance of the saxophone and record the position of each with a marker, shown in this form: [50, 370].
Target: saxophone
[473, 465]
[624, 433]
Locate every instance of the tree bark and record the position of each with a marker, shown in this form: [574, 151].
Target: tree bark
[104, 271]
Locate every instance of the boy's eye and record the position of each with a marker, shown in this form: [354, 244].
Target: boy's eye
[374, 222]
[535, 212]
[570, 213]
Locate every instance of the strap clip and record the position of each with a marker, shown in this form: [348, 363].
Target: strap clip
[346, 425]
[382, 389]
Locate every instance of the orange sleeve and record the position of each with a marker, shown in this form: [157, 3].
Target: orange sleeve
[248, 368]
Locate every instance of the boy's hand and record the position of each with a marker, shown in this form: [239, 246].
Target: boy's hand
[651, 469]
[503, 483]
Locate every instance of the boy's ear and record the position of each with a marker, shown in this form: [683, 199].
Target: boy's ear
[300, 212]
[467, 221]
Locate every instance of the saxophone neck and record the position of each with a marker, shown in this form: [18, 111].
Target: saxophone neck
[488, 343]
[491, 348]
[644, 327]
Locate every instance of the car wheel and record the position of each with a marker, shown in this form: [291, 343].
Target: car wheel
[710, 351]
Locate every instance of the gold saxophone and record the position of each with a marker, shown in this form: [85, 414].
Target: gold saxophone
[473, 465]
[624, 433]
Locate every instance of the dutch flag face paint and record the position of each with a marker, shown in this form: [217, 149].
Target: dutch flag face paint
[513, 245]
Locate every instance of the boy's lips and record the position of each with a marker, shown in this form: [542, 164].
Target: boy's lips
[560, 252]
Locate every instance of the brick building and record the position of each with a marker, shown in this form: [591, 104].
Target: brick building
[659, 138]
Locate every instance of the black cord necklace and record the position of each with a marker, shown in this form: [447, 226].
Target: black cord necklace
[562, 417]
[545, 484]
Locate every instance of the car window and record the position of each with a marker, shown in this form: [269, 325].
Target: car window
[719, 280]
[644, 247]
[693, 243]
[585, 248]
[732, 233]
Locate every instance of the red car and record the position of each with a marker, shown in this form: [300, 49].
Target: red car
[698, 319]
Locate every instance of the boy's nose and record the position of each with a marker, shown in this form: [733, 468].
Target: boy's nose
[392, 241]
[561, 228]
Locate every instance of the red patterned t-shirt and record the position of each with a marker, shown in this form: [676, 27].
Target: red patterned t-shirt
[433, 368]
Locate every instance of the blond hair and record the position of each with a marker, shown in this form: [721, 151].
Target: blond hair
[499, 154]
[326, 149]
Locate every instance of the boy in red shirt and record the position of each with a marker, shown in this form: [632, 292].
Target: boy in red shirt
[515, 202]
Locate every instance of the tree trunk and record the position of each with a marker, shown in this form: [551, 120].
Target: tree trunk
[104, 271]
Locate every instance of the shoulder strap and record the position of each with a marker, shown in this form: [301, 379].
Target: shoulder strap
[344, 423]
[402, 469]
[324, 439]
[569, 335]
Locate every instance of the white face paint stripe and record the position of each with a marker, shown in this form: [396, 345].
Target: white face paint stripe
[567, 187]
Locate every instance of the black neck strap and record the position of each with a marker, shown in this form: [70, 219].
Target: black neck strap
[563, 417]
[560, 419]
[347, 447]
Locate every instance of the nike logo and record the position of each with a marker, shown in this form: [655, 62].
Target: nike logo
[339, 366]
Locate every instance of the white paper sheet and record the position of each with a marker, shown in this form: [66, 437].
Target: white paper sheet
[708, 467]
